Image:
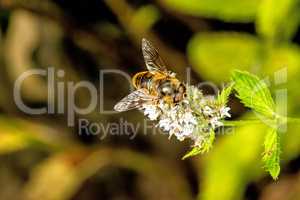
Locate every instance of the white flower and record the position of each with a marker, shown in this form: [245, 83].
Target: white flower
[214, 122]
[189, 118]
[207, 111]
[198, 140]
[177, 120]
[163, 106]
[165, 124]
[188, 129]
[192, 118]
[175, 129]
[224, 111]
[173, 113]
[151, 111]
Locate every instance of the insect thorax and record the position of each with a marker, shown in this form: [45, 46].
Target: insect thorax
[160, 84]
[147, 80]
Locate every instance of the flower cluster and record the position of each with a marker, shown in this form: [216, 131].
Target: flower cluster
[177, 120]
[195, 117]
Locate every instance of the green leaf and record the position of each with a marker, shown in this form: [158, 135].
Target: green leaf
[234, 162]
[271, 156]
[222, 98]
[253, 93]
[278, 19]
[214, 55]
[195, 151]
[285, 57]
[144, 18]
[227, 10]
[206, 146]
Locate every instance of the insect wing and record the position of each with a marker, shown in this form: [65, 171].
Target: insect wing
[152, 59]
[134, 100]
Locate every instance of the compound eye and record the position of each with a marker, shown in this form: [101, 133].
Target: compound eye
[167, 90]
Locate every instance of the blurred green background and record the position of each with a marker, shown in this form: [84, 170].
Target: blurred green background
[42, 158]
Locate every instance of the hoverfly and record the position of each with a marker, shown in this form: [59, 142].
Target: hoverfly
[153, 85]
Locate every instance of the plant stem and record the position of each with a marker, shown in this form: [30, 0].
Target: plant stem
[288, 120]
[242, 122]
